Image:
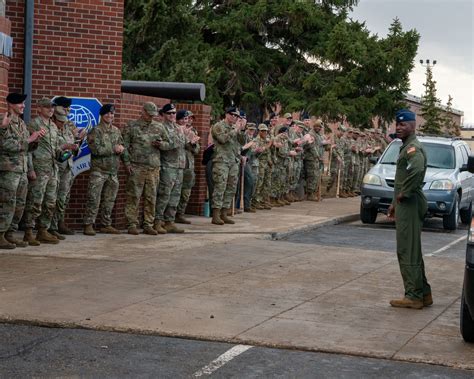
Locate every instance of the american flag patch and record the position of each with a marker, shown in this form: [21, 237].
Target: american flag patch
[411, 150]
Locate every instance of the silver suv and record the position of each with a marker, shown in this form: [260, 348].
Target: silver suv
[448, 186]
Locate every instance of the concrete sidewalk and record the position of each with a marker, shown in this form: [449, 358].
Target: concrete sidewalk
[236, 284]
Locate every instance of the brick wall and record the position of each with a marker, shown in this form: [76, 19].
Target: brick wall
[5, 27]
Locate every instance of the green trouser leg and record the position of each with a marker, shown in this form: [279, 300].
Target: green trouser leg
[409, 221]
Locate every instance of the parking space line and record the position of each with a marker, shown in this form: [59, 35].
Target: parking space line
[444, 248]
[222, 360]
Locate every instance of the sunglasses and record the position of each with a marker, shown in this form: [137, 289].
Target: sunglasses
[170, 112]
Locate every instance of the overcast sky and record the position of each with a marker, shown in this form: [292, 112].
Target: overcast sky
[446, 35]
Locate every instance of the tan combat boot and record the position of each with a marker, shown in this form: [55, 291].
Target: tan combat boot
[109, 230]
[150, 231]
[427, 300]
[44, 237]
[158, 226]
[133, 230]
[216, 217]
[63, 229]
[224, 217]
[406, 302]
[89, 230]
[4, 244]
[179, 218]
[18, 243]
[171, 227]
[30, 238]
[57, 235]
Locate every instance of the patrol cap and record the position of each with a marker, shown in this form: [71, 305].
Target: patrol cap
[251, 126]
[405, 115]
[318, 122]
[45, 102]
[262, 127]
[60, 110]
[60, 116]
[356, 131]
[182, 113]
[16, 98]
[232, 110]
[150, 108]
[168, 108]
[287, 115]
[107, 108]
[299, 123]
[62, 101]
[189, 114]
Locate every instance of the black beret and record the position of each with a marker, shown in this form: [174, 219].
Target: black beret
[284, 129]
[182, 113]
[107, 108]
[167, 108]
[62, 101]
[232, 110]
[16, 98]
[243, 114]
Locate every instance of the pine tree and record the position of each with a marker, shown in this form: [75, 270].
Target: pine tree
[430, 111]
[450, 126]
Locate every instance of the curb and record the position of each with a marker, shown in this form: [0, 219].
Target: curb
[275, 236]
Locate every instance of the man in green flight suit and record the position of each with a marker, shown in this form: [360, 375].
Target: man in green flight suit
[408, 208]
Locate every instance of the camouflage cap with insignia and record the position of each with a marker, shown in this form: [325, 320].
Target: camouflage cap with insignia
[251, 126]
[287, 115]
[262, 127]
[60, 115]
[318, 123]
[45, 102]
[150, 108]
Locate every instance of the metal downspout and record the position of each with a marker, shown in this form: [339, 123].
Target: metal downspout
[28, 58]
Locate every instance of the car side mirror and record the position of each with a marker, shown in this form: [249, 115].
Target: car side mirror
[470, 164]
[374, 160]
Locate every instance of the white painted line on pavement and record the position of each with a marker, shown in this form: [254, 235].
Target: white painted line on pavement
[444, 248]
[222, 360]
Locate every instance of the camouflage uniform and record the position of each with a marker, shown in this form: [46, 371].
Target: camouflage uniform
[297, 160]
[312, 156]
[173, 162]
[14, 165]
[226, 158]
[144, 161]
[265, 164]
[66, 135]
[103, 179]
[189, 177]
[337, 163]
[42, 192]
[281, 163]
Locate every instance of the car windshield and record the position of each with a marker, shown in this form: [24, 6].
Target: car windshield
[439, 156]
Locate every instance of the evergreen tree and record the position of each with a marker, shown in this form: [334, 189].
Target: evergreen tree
[450, 126]
[430, 111]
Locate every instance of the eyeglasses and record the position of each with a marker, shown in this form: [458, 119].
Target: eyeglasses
[170, 113]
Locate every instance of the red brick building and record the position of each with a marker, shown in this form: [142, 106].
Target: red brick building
[77, 52]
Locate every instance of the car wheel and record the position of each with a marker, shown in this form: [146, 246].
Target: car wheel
[451, 221]
[466, 214]
[368, 215]
[466, 321]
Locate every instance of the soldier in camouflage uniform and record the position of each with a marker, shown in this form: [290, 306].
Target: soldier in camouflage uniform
[173, 163]
[228, 140]
[250, 167]
[312, 159]
[68, 134]
[142, 162]
[15, 168]
[42, 192]
[185, 118]
[295, 137]
[337, 160]
[264, 143]
[106, 146]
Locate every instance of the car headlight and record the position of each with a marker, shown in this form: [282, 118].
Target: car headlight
[444, 184]
[372, 179]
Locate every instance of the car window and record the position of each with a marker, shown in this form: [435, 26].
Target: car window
[464, 153]
[438, 156]
[459, 157]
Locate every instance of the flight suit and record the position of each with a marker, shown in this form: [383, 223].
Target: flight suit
[409, 215]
